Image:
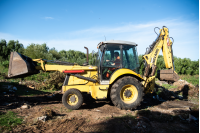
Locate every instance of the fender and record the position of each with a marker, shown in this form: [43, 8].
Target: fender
[123, 71]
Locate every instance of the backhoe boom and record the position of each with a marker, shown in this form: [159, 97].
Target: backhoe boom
[163, 42]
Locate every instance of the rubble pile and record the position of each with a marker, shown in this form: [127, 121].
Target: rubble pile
[9, 88]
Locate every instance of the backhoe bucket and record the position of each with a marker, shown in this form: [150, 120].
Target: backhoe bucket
[167, 75]
[21, 66]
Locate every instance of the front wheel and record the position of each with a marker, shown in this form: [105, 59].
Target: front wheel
[126, 93]
[72, 99]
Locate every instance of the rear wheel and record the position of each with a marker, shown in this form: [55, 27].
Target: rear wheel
[127, 93]
[72, 99]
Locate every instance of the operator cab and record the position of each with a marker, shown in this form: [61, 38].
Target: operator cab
[114, 55]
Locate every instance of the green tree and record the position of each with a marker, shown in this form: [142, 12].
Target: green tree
[141, 70]
[19, 47]
[7, 48]
[36, 51]
[55, 54]
[3, 49]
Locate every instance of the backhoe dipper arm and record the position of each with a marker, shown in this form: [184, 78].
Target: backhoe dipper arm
[162, 41]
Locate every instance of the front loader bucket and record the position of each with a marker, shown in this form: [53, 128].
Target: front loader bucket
[167, 75]
[21, 66]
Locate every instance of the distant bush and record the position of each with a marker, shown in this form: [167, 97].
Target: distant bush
[182, 66]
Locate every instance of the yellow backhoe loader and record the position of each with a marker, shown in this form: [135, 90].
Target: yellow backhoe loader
[115, 74]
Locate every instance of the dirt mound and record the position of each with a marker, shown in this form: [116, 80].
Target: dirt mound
[187, 89]
[166, 110]
[56, 126]
[182, 82]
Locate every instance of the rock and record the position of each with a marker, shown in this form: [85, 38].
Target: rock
[182, 83]
[192, 118]
[42, 118]
[159, 99]
[24, 107]
[13, 103]
[161, 82]
[14, 88]
[31, 86]
[5, 104]
[144, 126]
[49, 113]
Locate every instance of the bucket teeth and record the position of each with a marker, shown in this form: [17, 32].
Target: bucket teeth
[21, 66]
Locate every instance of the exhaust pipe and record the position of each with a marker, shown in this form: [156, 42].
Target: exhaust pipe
[21, 66]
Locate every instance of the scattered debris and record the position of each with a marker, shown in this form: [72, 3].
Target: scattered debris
[31, 86]
[161, 82]
[10, 88]
[157, 113]
[192, 118]
[42, 118]
[24, 107]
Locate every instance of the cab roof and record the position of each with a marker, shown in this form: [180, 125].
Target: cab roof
[117, 42]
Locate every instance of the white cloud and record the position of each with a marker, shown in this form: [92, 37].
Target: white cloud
[47, 18]
[185, 34]
[6, 35]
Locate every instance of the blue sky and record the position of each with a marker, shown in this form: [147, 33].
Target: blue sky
[67, 24]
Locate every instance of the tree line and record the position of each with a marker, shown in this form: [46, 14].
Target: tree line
[35, 51]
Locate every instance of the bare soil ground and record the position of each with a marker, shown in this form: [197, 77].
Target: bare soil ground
[164, 113]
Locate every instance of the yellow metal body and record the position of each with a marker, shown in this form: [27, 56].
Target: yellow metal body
[148, 83]
[75, 98]
[165, 43]
[121, 72]
[96, 90]
[132, 97]
[99, 91]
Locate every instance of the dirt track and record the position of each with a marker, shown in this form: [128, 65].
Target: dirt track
[154, 115]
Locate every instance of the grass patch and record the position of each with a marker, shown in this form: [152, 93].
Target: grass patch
[168, 86]
[9, 120]
[190, 79]
[69, 110]
[125, 116]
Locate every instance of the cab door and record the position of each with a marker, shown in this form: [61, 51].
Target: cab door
[111, 61]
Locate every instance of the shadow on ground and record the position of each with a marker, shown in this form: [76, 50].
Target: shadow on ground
[144, 121]
[149, 122]
[11, 98]
[33, 97]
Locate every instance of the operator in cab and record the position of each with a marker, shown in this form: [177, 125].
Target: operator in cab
[115, 64]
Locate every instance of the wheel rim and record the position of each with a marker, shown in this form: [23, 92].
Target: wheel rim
[72, 99]
[128, 94]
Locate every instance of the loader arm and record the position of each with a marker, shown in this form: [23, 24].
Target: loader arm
[23, 66]
[47, 67]
[163, 42]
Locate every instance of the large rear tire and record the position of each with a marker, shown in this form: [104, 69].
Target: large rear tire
[72, 99]
[127, 93]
